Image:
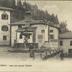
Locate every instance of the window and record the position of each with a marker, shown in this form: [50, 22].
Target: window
[4, 37]
[19, 26]
[70, 50]
[51, 36]
[51, 30]
[4, 16]
[40, 36]
[28, 36]
[42, 31]
[4, 28]
[61, 43]
[20, 36]
[70, 43]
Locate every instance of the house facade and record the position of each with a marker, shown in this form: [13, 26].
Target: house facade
[36, 32]
[27, 31]
[4, 26]
[66, 42]
[53, 37]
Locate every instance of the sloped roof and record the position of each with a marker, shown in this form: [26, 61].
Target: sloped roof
[33, 22]
[53, 25]
[30, 21]
[5, 8]
[27, 22]
[24, 29]
[66, 35]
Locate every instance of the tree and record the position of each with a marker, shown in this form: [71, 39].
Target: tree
[12, 4]
[19, 4]
[5, 3]
[63, 27]
[35, 12]
[56, 20]
[19, 11]
[1, 2]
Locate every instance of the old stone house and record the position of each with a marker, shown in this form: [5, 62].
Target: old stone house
[37, 32]
[4, 26]
[66, 42]
[27, 31]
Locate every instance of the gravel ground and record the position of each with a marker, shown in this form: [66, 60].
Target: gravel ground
[4, 53]
[26, 64]
[9, 55]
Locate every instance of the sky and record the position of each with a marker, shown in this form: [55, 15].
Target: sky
[61, 8]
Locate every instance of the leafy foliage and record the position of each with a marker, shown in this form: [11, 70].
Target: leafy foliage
[7, 3]
[35, 12]
[63, 27]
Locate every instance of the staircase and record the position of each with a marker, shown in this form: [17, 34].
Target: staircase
[53, 50]
[52, 54]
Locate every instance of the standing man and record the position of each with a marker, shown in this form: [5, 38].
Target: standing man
[62, 55]
[31, 51]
